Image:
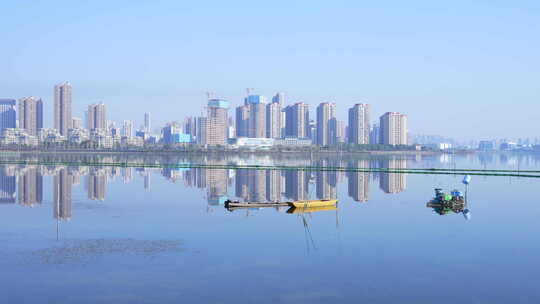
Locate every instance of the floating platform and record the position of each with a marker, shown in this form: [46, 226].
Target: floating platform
[297, 204]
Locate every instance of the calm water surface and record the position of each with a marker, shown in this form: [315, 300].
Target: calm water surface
[95, 234]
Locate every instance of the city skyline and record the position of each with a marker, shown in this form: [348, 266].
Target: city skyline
[397, 60]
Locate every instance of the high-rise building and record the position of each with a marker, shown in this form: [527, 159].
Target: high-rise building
[273, 120]
[217, 120]
[359, 124]
[374, 134]
[297, 120]
[257, 116]
[190, 126]
[279, 98]
[326, 124]
[202, 126]
[341, 133]
[62, 108]
[242, 121]
[31, 114]
[96, 117]
[147, 122]
[8, 114]
[127, 128]
[169, 132]
[76, 123]
[393, 129]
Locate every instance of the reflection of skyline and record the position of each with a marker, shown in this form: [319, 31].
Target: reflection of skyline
[25, 184]
[30, 187]
[393, 182]
[297, 185]
[62, 195]
[7, 187]
[326, 181]
[96, 187]
[358, 183]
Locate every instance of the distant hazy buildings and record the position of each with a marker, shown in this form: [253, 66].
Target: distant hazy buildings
[31, 114]
[147, 122]
[62, 108]
[8, 114]
[326, 124]
[359, 124]
[393, 129]
[96, 117]
[127, 128]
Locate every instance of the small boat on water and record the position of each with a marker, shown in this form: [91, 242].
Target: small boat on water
[294, 210]
[297, 204]
[444, 203]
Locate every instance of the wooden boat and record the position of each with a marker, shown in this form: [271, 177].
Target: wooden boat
[298, 204]
[295, 210]
[314, 203]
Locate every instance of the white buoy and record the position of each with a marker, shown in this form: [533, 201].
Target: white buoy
[467, 179]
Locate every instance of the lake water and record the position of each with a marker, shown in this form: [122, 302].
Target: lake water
[73, 233]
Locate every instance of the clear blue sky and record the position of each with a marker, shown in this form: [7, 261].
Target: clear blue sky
[467, 69]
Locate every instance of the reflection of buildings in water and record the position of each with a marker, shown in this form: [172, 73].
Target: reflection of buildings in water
[145, 173]
[251, 185]
[96, 186]
[30, 190]
[274, 185]
[127, 175]
[7, 186]
[76, 179]
[445, 158]
[485, 159]
[297, 184]
[358, 183]
[326, 181]
[147, 181]
[216, 182]
[171, 174]
[62, 195]
[393, 182]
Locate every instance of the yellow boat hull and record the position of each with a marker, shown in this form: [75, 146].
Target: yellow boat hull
[295, 210]
[314, 203]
